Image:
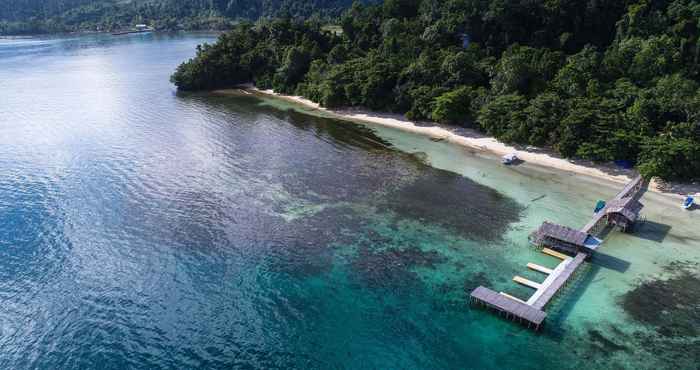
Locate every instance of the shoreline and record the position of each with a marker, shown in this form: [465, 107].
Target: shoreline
[471, 139]
[90, 32]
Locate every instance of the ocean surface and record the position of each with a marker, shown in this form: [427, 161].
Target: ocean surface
[141, 228]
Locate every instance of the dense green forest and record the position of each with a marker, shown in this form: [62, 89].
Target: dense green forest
[51, 16]
[595, 79]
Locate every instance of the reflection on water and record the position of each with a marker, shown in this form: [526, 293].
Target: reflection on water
[143, 228]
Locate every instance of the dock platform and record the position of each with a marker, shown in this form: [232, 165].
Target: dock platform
[538, 268]
[559, 281]
[509, 307]
[621, 211]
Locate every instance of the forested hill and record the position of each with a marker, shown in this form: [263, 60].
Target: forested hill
[48, 16]
[595, 79]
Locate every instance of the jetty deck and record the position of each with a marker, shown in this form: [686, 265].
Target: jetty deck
[559, 281]
[632, 191]
[509, 307]
[622, 211]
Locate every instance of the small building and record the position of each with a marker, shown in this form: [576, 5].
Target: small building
[564, 238]
[623, 213]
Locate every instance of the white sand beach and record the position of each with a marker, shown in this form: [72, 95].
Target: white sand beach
[472, 139]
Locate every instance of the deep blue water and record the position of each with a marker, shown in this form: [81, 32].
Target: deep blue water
[142, 228]
[149, 230]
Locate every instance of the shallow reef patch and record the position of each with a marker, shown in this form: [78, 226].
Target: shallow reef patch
[671, 305]
[456, 203]
[393, 267]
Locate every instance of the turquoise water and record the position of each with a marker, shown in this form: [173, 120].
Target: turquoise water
[141, 228]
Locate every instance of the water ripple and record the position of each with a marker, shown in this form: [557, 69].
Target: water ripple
[140, 228]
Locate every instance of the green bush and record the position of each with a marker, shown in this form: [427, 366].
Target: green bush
[454, 106]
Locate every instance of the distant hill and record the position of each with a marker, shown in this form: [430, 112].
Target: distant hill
[50, 16]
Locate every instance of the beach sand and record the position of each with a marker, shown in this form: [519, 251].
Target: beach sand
[472, 139]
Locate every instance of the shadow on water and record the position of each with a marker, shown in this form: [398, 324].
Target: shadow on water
[339, 130]
[340, 133]
[562, 306]
[603, 234]
[653, 231]
[607, 261]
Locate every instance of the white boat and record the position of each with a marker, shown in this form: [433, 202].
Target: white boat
[688, 202]
[509, 159]
[139, 28]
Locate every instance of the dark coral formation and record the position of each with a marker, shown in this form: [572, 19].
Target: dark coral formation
[603, 344]
[305, 246]
[476, 280]
[393, 267]
[671, 305]
[456, 203]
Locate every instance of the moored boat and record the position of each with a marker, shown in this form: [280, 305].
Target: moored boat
[509, 159]
[599, 206]
[139, 28]
[688, 202]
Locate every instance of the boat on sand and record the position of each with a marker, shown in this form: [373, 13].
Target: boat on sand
[688, 202]
[509, 159]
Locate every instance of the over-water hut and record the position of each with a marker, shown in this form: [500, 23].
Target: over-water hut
[564, 238]
[623, 213]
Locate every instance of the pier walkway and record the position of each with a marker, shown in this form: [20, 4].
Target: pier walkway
[622, 211]
[628, 198]
[509, 307]
[558, 281]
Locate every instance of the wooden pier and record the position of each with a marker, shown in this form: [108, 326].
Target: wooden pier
[626, 203]
[622, 211]
[508, 307]
[538, 268]
[559, 281]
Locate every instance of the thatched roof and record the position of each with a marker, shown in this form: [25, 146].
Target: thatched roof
[563, 233]
[627, 207]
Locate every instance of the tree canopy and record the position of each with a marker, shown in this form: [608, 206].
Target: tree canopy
[595, 79]
[50, 16]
